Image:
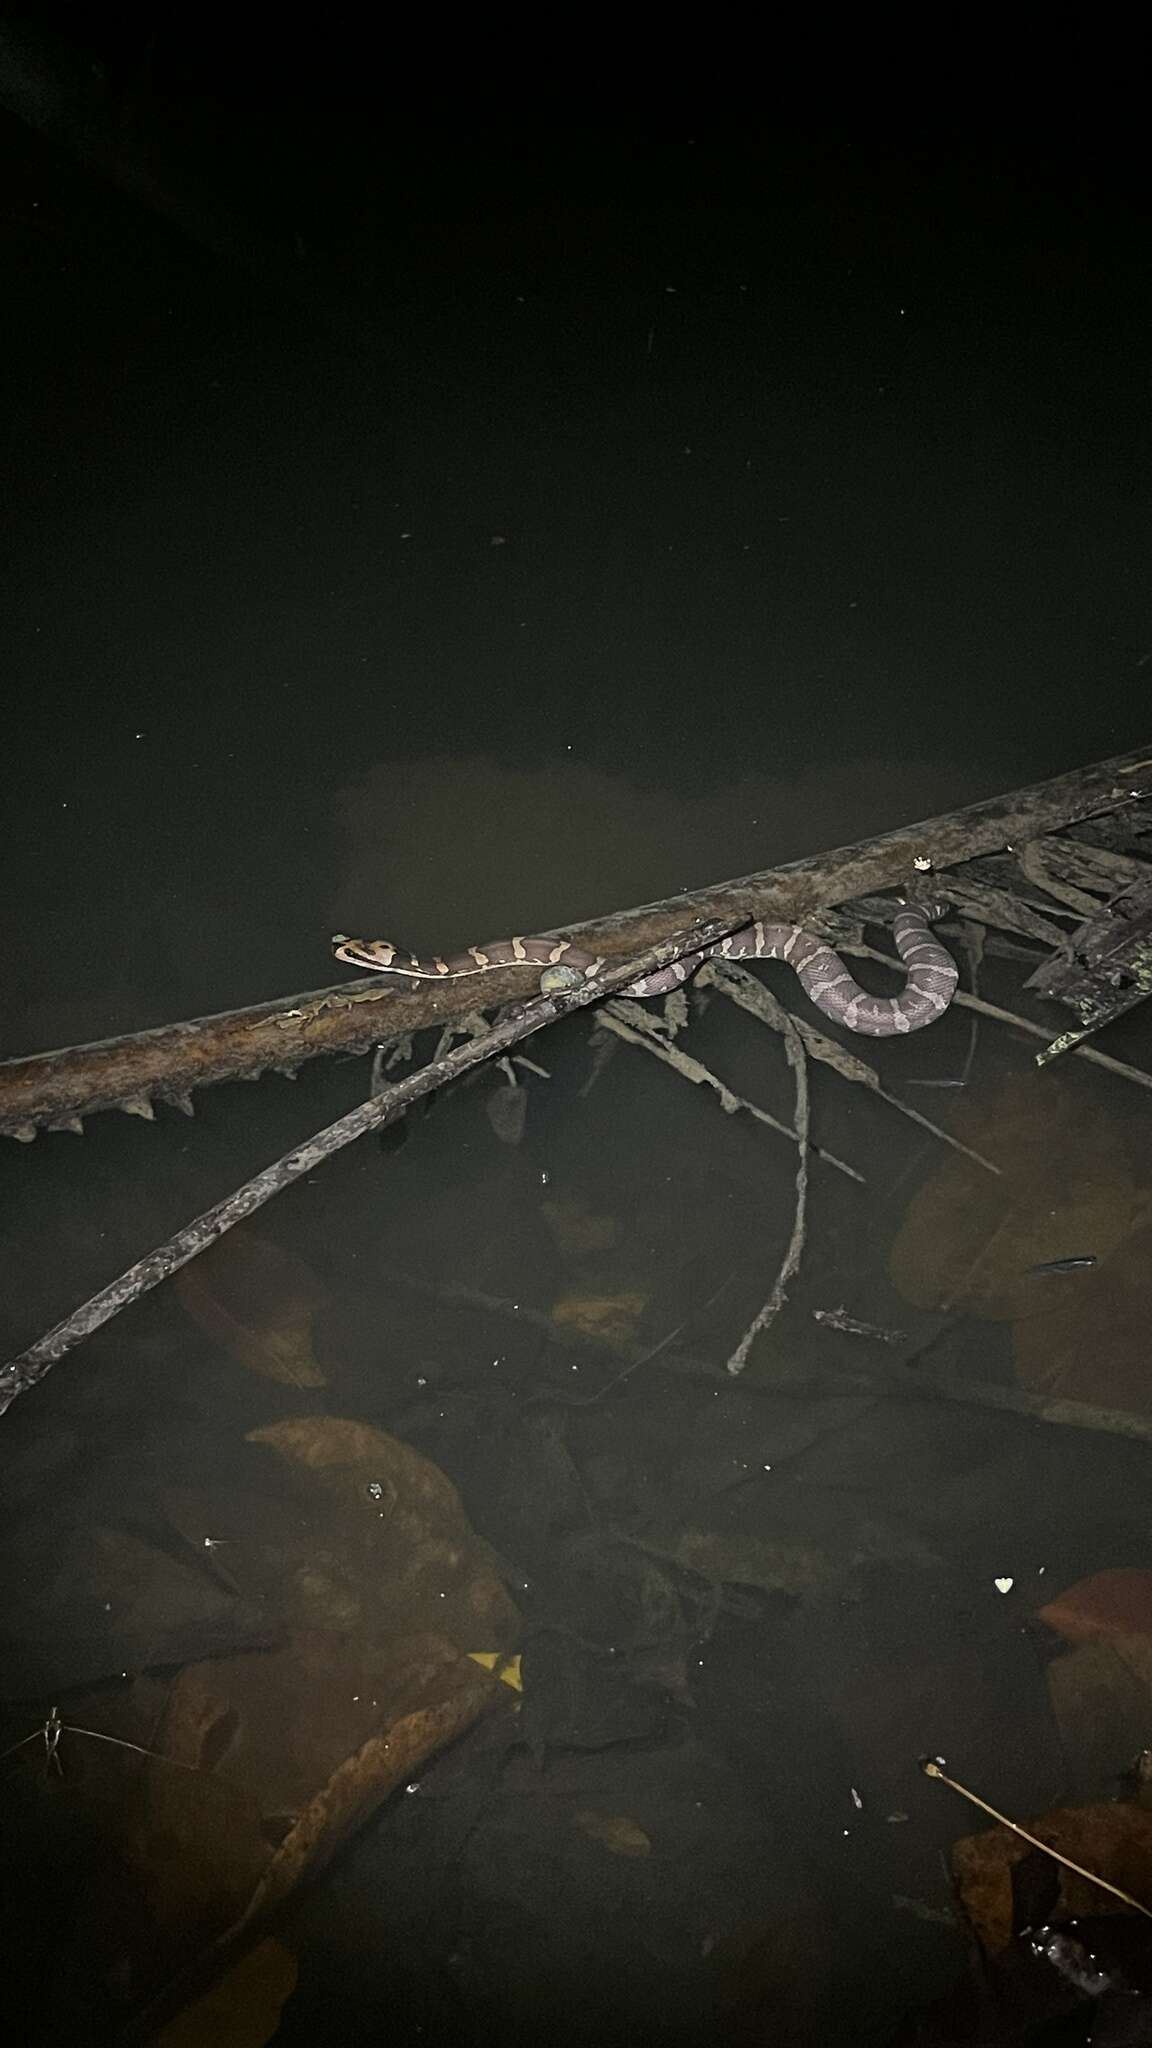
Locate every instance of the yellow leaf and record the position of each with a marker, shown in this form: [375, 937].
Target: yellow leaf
[507, 1669]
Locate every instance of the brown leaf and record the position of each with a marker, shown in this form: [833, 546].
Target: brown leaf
[258, 1303]
[1111, 1603]
[576, 1228]
[507, 1112]
[612, 1317]
[1074, 1183]
[422, 1565]
[616, 1832]
[1115, 1841]
[450, 1696]
[243, 2010]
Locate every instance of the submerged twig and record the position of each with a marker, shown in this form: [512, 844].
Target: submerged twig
[932, 1767]
[839, 1319]
[798, 1061]
[570, 1400]
[920, 1383]
[1018, 1023]
[52, 1728]
[974, 939]
[908, 1377]
[635, 1026]
[1039, 870]
[749, 994]
[24, 1372]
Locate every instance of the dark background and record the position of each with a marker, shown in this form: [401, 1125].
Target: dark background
[432, 520]
[439, 509]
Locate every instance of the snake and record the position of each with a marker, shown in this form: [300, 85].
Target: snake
[929, 986]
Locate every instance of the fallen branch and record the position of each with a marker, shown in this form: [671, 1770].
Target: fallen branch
[636, 1027]
[798, 1061]
[56, 1090]
[1018, 1023]
[913, 1378]
[24, 1372]
[898, 1381]
[747, 993]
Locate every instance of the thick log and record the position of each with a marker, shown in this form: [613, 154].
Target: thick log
[519, 1021]
[56, 1090]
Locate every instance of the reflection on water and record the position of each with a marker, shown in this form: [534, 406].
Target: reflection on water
[532, 847]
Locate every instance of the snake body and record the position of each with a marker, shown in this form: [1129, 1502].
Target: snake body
[927, 992]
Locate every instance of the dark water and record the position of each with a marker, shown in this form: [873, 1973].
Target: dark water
[438, 534]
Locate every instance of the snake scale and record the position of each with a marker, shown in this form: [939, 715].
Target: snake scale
[927, 992]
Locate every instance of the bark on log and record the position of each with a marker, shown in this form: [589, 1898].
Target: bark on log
[56, 1090]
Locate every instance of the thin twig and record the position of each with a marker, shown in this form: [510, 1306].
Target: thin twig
[798, 1061]
[570, 1400]
[926, 1383]
[635, 1026]
[906, 1378]
[974, 937]
[932, 1769]
[749, 994]
[53, 1728]
[967, 1002]
[24, 1372]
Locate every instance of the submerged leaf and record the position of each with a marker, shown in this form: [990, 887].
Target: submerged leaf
[243, 2010]
[1075, 1185]
[1113, 1841]
[577, 1229]
[258, 1303]
[612, 1317]
[1112, 1603]
[507, 1112]
[616, 1832]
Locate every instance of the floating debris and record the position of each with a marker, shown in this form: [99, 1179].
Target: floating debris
[1072, 1265]
[839, 1319]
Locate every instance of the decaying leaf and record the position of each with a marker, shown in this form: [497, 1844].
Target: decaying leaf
[576, 1228]
[507, 1112]
[178, 1852]
[793, 1545]
[1074, 1185]
[74, 1611]
[1112, 1608]
[1101, 1706]
[1111, 1603]
[258, 1303]
[611, 1316]
[422, 1564]
[241, 2011]
[616, 1832]
[1113, 1840]
[444, 1698]
[248, 1771]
